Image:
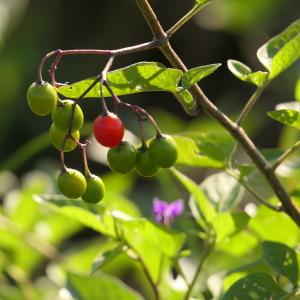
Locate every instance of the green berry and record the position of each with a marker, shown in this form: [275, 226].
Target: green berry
[71, 183]
[122, 159]
[95, 190]
[163, 151]
[57, 137]
[41, 98]
[145, 165]
[61, 116]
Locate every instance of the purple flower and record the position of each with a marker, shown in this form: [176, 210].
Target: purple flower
[165, 213]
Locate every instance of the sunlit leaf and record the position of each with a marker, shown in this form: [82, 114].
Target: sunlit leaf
[106, 257]
[136, 78]
[297, 90]
[194, 75]
[100, 286]
[244, 73]
[282, 259]
[228, 224]
[151, 242]
[92, 216]
[207, 211]
[272, 225]
[204, 149]
[282, 50]
[286, 116]
[222, 190]
[185, 98]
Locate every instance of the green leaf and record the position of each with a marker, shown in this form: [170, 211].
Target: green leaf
[271, 225]
[257, 286]
[106, 257]
[286, 116]
[282, 259]
[100, 286]
[136, 78]
[92, 216]
[207, 211]
[229, 224]
[244, 73]
[297, 90]
[222, 190]
[151, 242]
[201, 2]
[204, 149]
[194, 75]
[282, 50]
[185, 98]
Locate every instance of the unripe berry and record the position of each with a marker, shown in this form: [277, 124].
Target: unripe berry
[145, 165]
[71, 183]
[57, 137]
[94, 191]
[122, 159]
[163, 151]
[61, 116]
[41, 98]
[108, 130]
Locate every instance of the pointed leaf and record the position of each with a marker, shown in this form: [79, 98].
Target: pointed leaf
[136, 78]
[222, 190]
[244, 73]
[282, 259]
[92, 216]
[228, 224]
[194, 75]
[151, 242]
[188, 103]
[204, 149]
[84, 287]
[207, 211]
[253, 287]
[297, 90]
[282, 50]
[286, 116]
[106, 258]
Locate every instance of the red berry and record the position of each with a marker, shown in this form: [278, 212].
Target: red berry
[108, 130]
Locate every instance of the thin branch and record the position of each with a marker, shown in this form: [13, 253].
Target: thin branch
[60, 53]
[185, 19]
[283, 157]
[236, 131]
[252, 192]
[250, 104]
[148, 275]
[205, 254]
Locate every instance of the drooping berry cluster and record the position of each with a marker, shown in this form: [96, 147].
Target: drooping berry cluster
[67, 117]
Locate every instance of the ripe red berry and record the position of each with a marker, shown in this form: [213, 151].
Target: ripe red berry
[108, 130]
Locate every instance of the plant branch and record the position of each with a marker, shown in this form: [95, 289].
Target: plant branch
[185, 19]
[287, 153]
[152, 283]
[237, 132]
[60, 53]
[250, 104]
[252, 192]
[205, 254]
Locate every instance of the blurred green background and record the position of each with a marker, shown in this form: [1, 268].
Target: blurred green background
[227, 29]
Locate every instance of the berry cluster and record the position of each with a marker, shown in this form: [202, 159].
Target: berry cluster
[67, 117]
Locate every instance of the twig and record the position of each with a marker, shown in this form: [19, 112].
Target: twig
[185, 19]
[287, 153]
[250, 104]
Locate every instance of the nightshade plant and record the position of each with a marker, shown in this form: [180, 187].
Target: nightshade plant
[220, 223]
